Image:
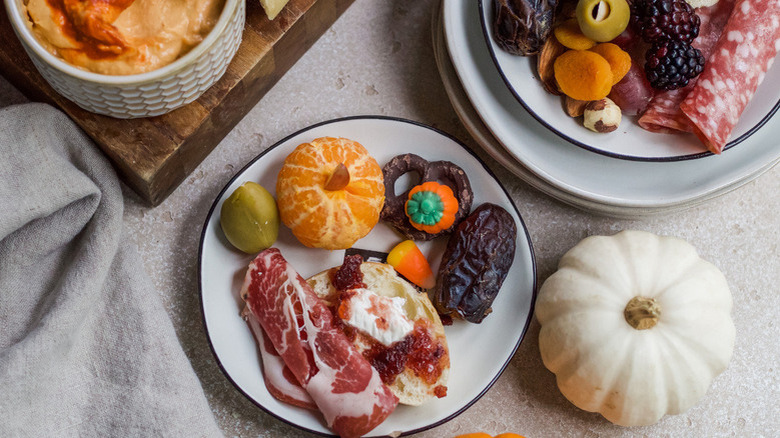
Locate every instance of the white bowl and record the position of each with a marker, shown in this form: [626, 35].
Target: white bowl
[140, 95]
[630, 141]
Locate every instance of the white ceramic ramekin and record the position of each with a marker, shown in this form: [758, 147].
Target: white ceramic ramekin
[141, 95]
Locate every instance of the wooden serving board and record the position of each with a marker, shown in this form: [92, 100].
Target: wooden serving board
[154, 155]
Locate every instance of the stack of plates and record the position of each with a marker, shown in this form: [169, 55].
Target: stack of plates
[495, 99]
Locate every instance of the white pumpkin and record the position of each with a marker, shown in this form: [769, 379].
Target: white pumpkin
[635, 326]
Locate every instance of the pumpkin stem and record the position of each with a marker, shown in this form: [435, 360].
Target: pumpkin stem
[642, 313]
[338, 179]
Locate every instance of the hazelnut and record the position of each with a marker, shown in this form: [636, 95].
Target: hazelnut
[602, 115]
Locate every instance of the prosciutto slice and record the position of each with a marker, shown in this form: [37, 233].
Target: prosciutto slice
[344, 386]
[664, 114]
[745, 51]
[279, 380]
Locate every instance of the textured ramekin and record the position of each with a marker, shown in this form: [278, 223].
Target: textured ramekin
[140, 95]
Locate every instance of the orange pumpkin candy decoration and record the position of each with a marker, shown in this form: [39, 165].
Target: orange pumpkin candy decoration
[330, 192]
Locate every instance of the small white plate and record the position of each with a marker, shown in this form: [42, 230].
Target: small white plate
[630, 141]
[581, 173]
[478, 352]
[476, 127]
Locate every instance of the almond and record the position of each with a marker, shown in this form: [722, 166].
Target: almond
[544, 64]
[574, 107]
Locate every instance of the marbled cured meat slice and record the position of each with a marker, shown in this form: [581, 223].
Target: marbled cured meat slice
[279, 380]
[743, 55]
[344, 386]
[664, 114]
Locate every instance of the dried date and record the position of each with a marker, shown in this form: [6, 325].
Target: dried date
[522, 26]
[475, 263]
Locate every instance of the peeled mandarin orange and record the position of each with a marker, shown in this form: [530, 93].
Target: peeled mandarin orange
[330, 192]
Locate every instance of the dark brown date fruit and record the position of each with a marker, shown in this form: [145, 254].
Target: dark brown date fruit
[475, 263]
[522, 26]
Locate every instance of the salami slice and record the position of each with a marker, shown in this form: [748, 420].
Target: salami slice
[344, 386]
[737, 66]
[664, 114]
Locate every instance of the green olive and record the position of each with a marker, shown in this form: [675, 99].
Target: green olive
[602, 20]
[250, 218]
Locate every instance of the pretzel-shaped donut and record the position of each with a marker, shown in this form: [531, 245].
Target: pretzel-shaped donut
[444, 172]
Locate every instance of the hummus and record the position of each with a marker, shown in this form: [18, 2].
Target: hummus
[121, 37]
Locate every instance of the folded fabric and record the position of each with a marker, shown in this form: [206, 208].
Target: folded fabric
[86, 348]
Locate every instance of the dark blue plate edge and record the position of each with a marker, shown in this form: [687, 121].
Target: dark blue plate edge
[486, 33]
[534, 291]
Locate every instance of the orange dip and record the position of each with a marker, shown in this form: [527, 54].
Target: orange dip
[121, 37]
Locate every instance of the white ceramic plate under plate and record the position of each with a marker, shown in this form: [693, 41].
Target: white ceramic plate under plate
[630, 141]
[471, 120]
[478, 352]
[577, 171]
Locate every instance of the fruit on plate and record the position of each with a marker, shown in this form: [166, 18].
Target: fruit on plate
[583, 75]
[475, 263]
[672, 64]
[392, 324]
[249, 218]
[569, 34]
[330, 192]
[635, 326]
[665, 20]
[522, 26]
[619, 60]
[602, 20]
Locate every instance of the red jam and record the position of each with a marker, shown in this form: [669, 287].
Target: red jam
[418, 351]
[348, 276]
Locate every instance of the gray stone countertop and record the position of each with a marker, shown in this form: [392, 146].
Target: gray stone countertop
[378, 59]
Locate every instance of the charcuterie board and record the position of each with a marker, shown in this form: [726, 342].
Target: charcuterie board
[154, 155]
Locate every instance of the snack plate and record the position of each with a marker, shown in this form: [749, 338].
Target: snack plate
[476, 127]
[478, 352]
[579, 172]
[630, 141]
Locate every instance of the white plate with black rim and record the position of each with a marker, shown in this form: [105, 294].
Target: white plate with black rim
[476, 127]
[478, 352]
[630, 142]
[577, 171]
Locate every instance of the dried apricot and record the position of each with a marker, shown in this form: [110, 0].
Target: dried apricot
[619, 60]
[569, 34]
[474, 435]
[583, 75]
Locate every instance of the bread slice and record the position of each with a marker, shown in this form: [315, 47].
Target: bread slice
[382, 279]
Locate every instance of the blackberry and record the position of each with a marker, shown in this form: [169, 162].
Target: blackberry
[671, 64]
[660, 20]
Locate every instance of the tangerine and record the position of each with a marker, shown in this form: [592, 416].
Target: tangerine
[330, 192]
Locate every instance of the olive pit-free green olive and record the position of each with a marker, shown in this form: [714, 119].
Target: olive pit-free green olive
[602, 20]
[250, 218]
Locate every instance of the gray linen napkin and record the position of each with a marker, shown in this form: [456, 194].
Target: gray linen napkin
[86, 348]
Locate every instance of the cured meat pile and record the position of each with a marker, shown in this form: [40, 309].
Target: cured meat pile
[322, 361]
[739, 39]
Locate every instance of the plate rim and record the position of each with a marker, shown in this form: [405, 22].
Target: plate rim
[487, 36]
[473, 123]
[531, 250]
[735, 166]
